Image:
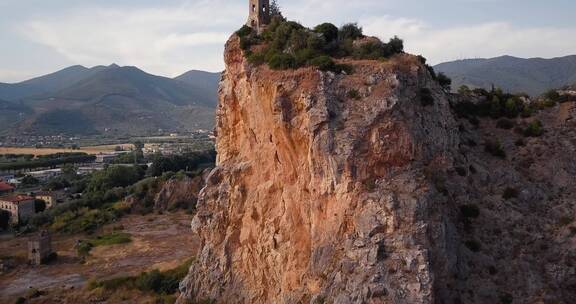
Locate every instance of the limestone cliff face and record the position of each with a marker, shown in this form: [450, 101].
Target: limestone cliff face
[322, 194]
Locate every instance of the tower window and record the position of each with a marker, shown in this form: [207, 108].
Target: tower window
[254, 8]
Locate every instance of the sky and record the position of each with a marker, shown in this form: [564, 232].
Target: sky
[170, 37]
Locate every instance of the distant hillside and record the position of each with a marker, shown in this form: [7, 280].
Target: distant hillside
[533, 76]
[46, 84]
[11, 113]
[113, 99]
[202, 81]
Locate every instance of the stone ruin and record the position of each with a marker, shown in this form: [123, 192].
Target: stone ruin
[40, 249]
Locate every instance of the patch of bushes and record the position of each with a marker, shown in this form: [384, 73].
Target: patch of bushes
[154, 281]
[189, 162]
[353, 94]
[83, 220]
[494, 104]
[494, 147]
[111, 239]
[444, 81]
[289, 45]
[20, 300]
[534, 129]
[426, 98]
[282, 62]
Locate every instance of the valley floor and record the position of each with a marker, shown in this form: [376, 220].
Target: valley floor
[159, 241]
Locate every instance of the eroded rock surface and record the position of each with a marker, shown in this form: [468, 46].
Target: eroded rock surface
[319, 194]
[349, 189]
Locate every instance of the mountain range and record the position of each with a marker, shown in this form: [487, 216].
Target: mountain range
[533, 76]
[108, 99]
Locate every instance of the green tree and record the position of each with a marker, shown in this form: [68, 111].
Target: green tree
[114, 176]
[275, 9]
[29, 180]
[39, 205]
[138, 153]
[495, 107]
[444, 81]
[350, 31]
[328, 30]
[69, 170]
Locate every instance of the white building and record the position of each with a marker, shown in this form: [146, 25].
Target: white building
[21, 207]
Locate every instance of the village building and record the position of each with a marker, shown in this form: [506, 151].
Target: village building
[259, 16]
[6, 188]
[40, 248]
[48, 197]
[21, 207]
[45, 175]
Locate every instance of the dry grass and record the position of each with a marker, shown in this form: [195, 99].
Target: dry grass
[47, 151]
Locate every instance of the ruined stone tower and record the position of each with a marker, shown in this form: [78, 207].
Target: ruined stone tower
[39, 248]
[259, 15]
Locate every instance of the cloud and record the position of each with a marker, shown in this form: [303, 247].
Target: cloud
[473, 41]
[184, 35]
[166, 41]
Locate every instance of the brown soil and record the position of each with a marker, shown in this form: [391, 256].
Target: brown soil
[158, 242]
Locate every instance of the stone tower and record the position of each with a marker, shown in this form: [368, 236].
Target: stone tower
[39, 248]
[259, 15]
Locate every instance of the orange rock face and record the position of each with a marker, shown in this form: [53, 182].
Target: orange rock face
[323, 188]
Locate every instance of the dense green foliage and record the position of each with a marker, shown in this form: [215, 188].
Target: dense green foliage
[48, 161]
[534, 129]
[187, 162]
[554, 96]
[289, 45]
[113, 238]
[85, 219]
[444, 81]
[165, 282]
[114, 176]
[495, 104]
[84, 247]
[103, 193]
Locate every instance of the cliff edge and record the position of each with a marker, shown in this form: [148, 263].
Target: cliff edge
[324, 186]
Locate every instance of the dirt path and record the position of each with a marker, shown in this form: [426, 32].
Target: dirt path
[158, 242]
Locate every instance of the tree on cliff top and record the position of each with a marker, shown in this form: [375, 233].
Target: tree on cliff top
[275, 9]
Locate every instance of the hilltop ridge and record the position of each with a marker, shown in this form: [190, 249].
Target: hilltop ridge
[533, 76]
[123, 100]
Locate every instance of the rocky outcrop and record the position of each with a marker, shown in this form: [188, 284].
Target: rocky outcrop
[365, 188]
[325, 187]
[179, 193]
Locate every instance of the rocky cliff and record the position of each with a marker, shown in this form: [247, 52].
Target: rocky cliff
[357, 189]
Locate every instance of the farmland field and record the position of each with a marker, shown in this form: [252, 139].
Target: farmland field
[47, 151]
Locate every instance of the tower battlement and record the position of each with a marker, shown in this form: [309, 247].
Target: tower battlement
[259, 15]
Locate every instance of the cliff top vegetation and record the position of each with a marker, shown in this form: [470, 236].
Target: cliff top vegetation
[289, 45]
